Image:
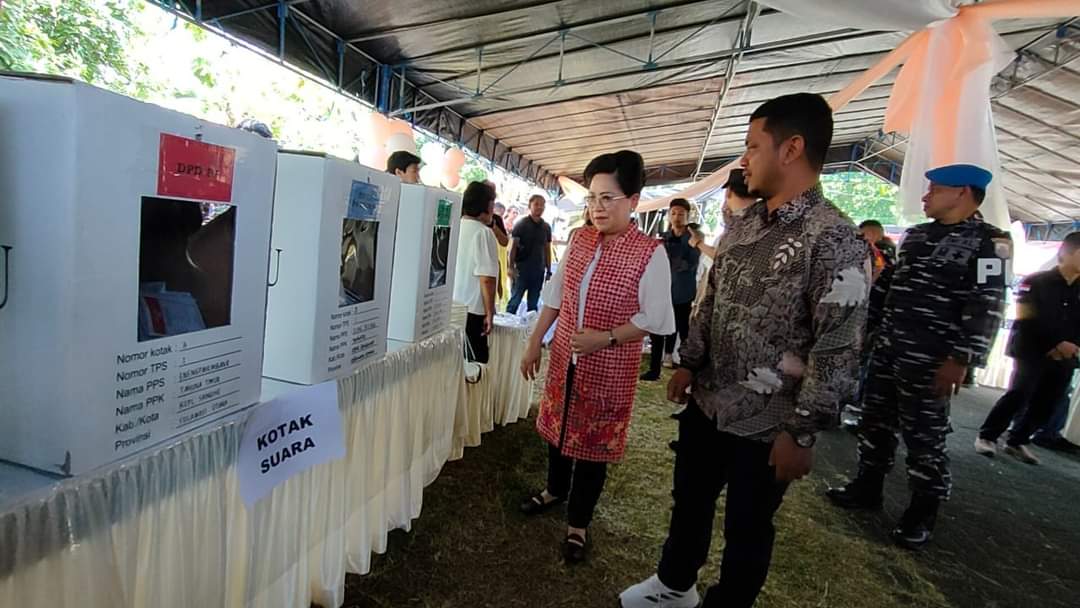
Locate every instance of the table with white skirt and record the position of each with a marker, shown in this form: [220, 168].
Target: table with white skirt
[501, 395]
[168, 528]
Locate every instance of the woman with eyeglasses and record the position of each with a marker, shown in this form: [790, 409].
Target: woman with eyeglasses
[611, 290]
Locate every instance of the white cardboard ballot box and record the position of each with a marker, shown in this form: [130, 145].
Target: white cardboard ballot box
[135, 245]
[331, 256]
[425, 256]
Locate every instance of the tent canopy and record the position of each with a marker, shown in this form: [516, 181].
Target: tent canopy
[540, 87]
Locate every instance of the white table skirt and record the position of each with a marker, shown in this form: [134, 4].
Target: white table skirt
[999, 366]
[168, 528]
[501, 396]
[1072, 423]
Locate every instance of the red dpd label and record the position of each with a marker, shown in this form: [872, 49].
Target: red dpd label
[193, 169]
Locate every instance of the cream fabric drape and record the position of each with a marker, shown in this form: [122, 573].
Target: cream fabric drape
[501, 396]
[869, 14]
[999, 366]
[168, 529]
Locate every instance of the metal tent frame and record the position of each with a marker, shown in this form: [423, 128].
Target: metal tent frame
[538, 87]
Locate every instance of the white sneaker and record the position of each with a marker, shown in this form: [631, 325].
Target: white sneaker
[669, 362]
[651, 593]
[1022, 453]
[985, 447]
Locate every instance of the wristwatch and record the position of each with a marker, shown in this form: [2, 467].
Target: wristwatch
[611, 341]
[805, 440]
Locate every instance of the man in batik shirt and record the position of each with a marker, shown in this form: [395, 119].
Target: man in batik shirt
[772, 350]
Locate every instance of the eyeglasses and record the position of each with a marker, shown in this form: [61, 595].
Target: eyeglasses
[604, 201]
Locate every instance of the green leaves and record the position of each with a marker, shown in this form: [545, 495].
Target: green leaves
[473, 173]
[862, 196]
[84, 39]
[200, 67]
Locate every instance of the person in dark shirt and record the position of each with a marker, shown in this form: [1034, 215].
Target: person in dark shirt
[1049, 434]
[405, 165]
[874, 234]
[1044, 344]
[530, 256]
[684, 263]
[883, 253]
[944, 304]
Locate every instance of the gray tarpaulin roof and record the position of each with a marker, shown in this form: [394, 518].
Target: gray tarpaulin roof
[540, 87]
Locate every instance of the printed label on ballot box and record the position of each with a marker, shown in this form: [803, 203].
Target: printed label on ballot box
[193, 169]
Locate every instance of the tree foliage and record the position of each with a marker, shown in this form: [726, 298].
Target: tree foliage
[111, 43]
[84, 39]
[862, 196]
[473, 172]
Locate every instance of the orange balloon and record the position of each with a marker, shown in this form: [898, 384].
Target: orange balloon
[451, 177]
[400, 126]
[454, 159]
[379, 127]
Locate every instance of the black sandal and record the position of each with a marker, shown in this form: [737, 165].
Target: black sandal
[575, 548]
[535, 505]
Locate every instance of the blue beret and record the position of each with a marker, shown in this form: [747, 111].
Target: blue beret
[958, 176]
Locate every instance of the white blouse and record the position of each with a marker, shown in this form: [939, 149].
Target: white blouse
[655, 314]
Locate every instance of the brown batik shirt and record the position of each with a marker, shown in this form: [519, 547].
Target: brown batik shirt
[775, 344]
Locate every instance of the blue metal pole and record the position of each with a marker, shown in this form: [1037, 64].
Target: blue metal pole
[383, 102]
[340, 63]
[282, 13]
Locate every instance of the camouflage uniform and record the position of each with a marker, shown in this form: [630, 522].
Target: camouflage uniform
[937, 306]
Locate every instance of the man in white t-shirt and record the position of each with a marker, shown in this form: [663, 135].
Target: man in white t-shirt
[477, 267]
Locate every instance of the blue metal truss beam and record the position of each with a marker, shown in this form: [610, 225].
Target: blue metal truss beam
[249, 11]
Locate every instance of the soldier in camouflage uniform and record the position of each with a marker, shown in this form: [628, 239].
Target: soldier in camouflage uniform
[943, 307]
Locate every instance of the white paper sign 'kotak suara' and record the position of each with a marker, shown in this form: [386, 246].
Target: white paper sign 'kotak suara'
[288, 435]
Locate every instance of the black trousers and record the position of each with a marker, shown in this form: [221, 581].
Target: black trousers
[1037, 385]
[666, 344]
[581, 479]
[478, 342]
[706, 460]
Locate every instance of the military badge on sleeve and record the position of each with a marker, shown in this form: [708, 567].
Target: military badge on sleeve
[1003, 248]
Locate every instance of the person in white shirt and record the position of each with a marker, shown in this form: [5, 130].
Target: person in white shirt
[477, 267]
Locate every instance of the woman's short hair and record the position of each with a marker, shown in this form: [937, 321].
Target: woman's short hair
[478, 199]
[627, 166]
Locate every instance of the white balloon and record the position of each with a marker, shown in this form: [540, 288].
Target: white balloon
[430, 175]
[432, 153]
[400, 141]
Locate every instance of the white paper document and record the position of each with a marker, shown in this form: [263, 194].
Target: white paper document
[288, 435]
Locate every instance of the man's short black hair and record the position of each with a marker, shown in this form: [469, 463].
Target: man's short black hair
[400, 161]
[1070, 244]
[736, 183]
[979, 194]
[627, 166]
[805, 114]
[871, 224]
[478, 199]
[680, 202]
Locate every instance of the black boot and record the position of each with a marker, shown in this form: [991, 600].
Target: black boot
[864, 492]
[917, 524]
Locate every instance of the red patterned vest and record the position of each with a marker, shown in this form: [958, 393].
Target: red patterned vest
[604, 382]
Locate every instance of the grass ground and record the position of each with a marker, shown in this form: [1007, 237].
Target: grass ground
[471, 547]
